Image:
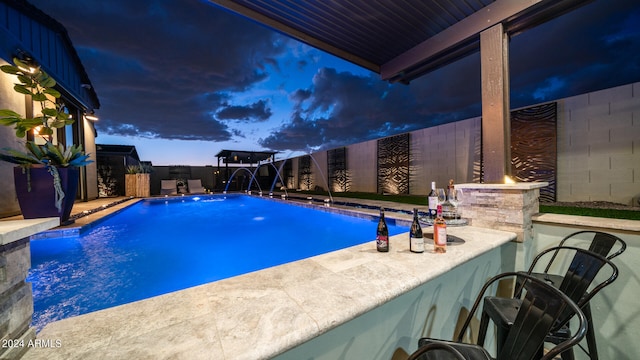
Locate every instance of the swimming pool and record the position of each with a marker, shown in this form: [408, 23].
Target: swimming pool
[161, 245]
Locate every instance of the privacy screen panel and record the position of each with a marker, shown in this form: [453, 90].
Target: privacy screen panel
[393, 164]
[305, 177]
[534, 147]
[339, 180]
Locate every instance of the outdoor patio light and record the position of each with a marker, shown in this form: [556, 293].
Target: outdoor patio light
[26, 60]
[91, 116]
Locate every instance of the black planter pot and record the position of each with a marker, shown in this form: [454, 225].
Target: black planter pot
[40, 201]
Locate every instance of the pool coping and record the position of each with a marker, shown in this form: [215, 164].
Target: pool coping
[252, 316]
[87, 219]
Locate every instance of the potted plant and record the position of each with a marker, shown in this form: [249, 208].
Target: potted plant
[137, 180]
[46, 178]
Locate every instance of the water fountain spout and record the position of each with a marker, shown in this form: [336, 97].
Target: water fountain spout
[274, 180]
[234, 173]
[323, 177]
[279, 173]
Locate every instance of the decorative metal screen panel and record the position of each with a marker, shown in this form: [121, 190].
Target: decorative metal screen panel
[305, 177]
[533, 147]
[393, 164]
[337, 168]
[287, 174]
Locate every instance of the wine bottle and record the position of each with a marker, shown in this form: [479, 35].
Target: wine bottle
[416, 241]
[439, 233]
[382, 234]
[433, 201]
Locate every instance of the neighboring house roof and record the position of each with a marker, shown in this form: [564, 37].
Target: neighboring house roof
[400, 40]
[117, 150]
[23, 27]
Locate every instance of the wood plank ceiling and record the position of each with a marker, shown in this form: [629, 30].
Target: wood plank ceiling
[398, 39]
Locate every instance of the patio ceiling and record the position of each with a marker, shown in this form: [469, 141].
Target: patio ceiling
[400, 40]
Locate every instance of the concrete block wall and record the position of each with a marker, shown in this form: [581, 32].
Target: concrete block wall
[443, 152]
[599, 146]
[438, 154]
[598, 150]
[362, 165]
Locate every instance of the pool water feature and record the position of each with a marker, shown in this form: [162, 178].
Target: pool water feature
[157, 246]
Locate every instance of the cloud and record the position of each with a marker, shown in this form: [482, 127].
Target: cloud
[157, 65]
[343, 108]
[594, 47]
[257, 111]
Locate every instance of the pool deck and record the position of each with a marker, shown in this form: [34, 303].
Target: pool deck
[261, 314]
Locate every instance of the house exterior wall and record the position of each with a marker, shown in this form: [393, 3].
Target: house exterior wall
[9, 99]
[91, 170]
[28, 32]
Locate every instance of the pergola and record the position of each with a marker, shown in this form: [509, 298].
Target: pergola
[241, 159]
[403, 40]
[244, 156]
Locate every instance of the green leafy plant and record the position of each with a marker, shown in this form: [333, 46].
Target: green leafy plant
[139, 169]
[36, 83]
[133, 169]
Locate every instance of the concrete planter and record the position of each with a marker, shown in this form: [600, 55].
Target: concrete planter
[36, 193]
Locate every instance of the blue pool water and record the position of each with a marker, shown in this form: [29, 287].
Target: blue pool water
[158, 246]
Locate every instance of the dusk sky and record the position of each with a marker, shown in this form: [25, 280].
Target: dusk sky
[182, 80]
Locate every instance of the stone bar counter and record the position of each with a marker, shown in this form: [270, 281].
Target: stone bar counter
[16, 300]
[354, 303]
[508, 207]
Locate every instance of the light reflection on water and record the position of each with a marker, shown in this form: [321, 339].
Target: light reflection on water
[158, 246]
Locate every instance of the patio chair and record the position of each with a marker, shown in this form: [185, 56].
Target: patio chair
[195, 187]
[541, 307]
[575, 283]
[169, 187]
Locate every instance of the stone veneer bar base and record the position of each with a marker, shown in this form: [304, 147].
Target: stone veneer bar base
[507, 207]
[16, 298]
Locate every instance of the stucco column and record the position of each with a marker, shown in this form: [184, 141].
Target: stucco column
[496, 121]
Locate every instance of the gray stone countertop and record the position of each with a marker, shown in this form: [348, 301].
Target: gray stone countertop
[12, 230]
[261, 314]
[589, 221]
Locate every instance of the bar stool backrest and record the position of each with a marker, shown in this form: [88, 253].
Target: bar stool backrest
[542, 306]
[580, 274]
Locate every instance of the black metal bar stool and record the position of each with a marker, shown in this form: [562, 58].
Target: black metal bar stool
[540, 309]
[575, 283]
[602, 243]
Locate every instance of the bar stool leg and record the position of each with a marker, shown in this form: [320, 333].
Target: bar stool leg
[482, 332]
[591, 335]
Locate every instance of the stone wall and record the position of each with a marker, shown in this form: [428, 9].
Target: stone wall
[507, 207]
[16, 300]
